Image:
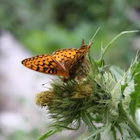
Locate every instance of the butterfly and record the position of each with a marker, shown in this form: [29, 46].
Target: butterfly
[64, 62]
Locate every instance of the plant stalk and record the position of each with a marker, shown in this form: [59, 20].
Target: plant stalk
[113, 40]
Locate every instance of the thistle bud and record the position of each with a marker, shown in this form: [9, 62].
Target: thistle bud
[44, 98]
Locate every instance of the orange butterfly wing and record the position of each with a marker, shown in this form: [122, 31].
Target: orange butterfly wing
[46, 64]
[65, 62]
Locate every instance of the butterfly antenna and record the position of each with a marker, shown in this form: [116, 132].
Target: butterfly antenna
[48, 83]
[91, 41]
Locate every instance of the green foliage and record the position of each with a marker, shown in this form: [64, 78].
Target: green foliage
[24, 135]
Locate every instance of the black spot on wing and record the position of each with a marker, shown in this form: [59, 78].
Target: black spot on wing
[37, 69]
[45, 69]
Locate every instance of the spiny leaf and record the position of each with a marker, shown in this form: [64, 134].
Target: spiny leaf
[135, 96]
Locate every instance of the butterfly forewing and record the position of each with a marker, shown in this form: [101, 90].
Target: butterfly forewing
[46, 64]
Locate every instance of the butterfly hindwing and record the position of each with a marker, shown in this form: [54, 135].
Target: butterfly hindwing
[65, 56]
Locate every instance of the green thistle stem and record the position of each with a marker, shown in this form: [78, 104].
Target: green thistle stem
[130, 122]
[114, 133]
[104, 50]
[88, 121]
[48, 134]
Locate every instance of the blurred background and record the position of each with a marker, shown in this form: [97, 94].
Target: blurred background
[33, 27]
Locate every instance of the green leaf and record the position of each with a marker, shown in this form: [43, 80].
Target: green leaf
[117, 72]
[135, 96]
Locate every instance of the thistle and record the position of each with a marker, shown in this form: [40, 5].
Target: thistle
[107, 96]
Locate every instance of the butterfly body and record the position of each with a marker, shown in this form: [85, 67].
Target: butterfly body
[64, 62]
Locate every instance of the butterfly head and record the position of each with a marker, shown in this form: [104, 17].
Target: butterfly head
[85, 47]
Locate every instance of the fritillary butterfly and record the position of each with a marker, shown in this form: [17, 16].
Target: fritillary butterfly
[64, 62]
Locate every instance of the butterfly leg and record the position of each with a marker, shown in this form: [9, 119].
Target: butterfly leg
[64, 79]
